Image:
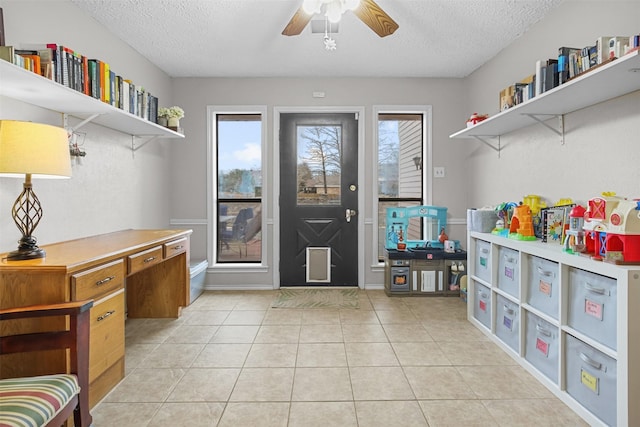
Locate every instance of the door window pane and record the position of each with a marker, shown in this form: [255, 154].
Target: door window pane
[319, 160]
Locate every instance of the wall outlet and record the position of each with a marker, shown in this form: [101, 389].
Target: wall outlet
[438, 172]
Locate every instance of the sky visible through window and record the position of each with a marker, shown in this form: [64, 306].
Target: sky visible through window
[239, 145]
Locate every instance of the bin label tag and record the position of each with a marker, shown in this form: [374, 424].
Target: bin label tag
[507, 322]
[483, 305]
[545, 288]
[593, 308]
[590, 381]
[508, 273]
[542, 346]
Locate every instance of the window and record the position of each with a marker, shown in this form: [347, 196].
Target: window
[319, 165]
[238, 198]
[401, 156]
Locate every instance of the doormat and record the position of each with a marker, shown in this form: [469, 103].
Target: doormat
[317, 298]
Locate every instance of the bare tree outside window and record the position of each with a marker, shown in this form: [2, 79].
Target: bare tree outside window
[319, 164]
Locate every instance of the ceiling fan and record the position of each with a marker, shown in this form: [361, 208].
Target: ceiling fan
[367, 10]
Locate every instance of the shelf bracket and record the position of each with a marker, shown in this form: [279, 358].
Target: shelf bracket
[136, 147]
[79, 125]
[483, 139]
[542, 121]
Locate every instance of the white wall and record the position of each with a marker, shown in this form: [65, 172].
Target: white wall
[112, 188]
[189, 160]
[600, 152]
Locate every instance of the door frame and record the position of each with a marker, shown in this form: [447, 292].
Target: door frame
[275, 176]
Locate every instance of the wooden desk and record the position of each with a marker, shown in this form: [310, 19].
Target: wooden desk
[154, 266]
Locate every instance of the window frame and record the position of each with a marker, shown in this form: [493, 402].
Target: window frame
[427, 163]
[213, 112]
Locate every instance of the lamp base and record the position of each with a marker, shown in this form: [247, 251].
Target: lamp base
[27, 249]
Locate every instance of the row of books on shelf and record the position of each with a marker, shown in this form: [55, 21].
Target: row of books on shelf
[91, 77]
[570, 62]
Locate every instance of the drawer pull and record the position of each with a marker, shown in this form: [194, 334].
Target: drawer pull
[484, 250]
[545, 272]
[594, 364]
[594, 290]
[509, 259]
[543, 330]
[147, 260]
[177, 248]
[508, 309]
[107, 314]
[105, 280]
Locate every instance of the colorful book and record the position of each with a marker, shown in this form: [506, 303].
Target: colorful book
[57, 64]
[94, 78]
[564, 64]
[552, 224]
[551, 79]
[6, 53]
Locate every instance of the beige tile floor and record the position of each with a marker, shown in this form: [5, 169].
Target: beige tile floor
[232, 360]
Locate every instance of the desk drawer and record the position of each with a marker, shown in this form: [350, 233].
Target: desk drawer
[174, 248]
[98, 281]
[144, 259]
[106, 343]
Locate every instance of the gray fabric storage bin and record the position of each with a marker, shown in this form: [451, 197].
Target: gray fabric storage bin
[592, 306]
[482, 304]
[508, 322]
[542, 345]
[591, 379]
[509, 271]
[482, 260]
[543, 286]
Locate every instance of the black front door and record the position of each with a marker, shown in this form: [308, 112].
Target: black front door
[318, 199]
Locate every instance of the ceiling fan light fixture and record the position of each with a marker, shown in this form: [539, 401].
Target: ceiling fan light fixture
[312, 7]
[334, 11]
[351, 4]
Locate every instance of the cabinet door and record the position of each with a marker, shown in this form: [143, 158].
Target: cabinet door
[107, 334]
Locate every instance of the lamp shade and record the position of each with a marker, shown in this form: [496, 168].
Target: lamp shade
[33, 148]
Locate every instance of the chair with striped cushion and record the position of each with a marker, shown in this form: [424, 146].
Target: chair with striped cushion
[48, 400]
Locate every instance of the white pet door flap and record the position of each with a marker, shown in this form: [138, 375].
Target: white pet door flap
[319, 265]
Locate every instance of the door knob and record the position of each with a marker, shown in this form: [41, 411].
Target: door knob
[349, 213]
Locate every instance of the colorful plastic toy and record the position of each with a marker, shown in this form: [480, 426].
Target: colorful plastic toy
[612, 229]
[521, 227]
[574, 240]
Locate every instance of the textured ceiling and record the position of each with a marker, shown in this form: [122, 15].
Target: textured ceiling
[242, 38]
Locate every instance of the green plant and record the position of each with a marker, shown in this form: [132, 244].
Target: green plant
[172, 112]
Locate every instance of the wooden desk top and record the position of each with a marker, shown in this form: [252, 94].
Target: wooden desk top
[80, 253]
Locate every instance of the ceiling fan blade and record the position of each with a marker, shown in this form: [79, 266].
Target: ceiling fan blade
[297, 23]
[375, 18]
